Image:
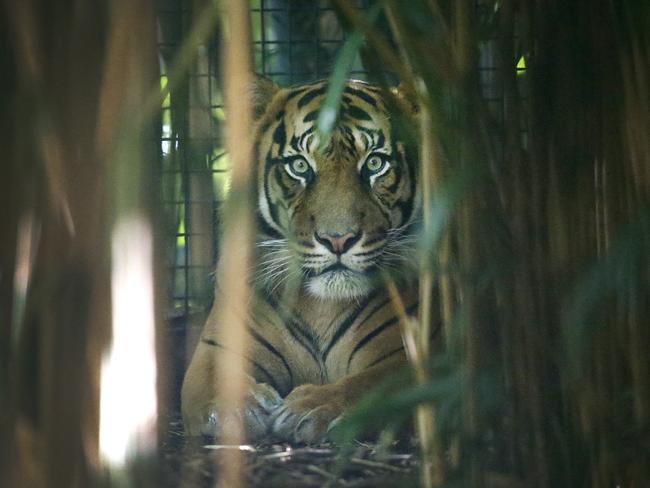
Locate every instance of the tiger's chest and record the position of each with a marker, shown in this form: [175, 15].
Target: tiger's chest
[319, 342]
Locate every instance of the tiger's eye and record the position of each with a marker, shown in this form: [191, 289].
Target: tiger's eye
[299, 166]
[374, 164]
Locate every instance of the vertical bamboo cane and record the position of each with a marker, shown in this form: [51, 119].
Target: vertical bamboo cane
[433, 464]
[57, 342]
[128, 436]
[238, 234]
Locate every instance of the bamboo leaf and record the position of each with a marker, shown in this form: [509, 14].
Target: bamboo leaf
[329, 111]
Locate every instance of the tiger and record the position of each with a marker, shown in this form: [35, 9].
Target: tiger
[335, 217]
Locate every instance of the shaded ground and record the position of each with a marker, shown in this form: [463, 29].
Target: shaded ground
[194, 463]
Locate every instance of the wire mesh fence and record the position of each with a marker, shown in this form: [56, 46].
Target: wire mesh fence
[294, 42]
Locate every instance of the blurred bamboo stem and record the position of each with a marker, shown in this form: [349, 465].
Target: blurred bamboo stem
[128, 431]
[433, 463]
[238, 236]
[378, 42]
[433, 459]
[427, 159]
[407, 324]
[432, 473]
[466, 60]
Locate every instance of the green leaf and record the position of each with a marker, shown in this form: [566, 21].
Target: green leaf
[331, 107]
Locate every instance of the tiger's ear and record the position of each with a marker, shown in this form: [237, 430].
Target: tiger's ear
[262, 91]
[406, 98]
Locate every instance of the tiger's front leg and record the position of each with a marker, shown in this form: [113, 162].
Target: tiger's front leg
[310, 411]
[200, 399]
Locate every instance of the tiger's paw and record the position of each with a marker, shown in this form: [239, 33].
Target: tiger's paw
[308, 413]
[256, 415]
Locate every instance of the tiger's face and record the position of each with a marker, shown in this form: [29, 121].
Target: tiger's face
[337, 213]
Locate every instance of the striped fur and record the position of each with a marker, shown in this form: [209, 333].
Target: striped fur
[335, 217]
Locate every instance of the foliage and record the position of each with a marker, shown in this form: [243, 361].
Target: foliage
[533, 127]
[541, 258]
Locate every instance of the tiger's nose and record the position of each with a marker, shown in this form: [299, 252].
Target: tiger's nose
[337, 243]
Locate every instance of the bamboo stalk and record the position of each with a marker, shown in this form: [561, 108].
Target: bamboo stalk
[238, 237]
[433, 460]
[128, 432]
[470, 252]
[433, 464]
[58, 342]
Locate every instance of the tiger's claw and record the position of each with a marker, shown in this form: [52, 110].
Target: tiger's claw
[308, 414]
